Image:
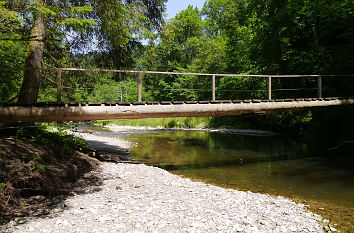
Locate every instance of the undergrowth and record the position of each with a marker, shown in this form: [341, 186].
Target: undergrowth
[178, 122]
[37, 164]
[64, 143]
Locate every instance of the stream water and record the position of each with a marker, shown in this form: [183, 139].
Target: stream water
[307, 172]
[258, 163]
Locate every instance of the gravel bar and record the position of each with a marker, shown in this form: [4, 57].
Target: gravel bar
[140, 198]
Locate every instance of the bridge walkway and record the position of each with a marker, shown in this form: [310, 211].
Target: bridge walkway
[45, 112]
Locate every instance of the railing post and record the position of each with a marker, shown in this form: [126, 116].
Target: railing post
[59, 85]
[213, 88]
[269, 82]
[319, 89]
[139, 87]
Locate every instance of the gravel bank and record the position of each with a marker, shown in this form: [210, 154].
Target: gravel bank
[139, 198]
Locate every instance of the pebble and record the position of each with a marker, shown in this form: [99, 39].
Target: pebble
[153, 200]
[325, 222]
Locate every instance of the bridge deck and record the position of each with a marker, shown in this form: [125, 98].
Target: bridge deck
[42, 112]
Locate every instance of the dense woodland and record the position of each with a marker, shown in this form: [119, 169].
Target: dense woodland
[225, 36]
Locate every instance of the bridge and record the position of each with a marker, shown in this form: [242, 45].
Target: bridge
[59, 111]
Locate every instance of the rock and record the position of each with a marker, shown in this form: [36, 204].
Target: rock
[40, 213]
[19, 220]
[55, 201]
[58, 222]
[38, 198]
[283, 229]
[22, 221]
[105, 219]
[77, 212]
[333, 229]
[13, 223]
[165, 201]
[65, 223]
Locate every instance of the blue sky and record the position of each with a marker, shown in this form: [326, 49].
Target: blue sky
[175, 6]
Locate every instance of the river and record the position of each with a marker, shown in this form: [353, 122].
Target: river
[307, 172]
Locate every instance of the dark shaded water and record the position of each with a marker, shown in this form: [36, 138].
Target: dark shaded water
[269, 164]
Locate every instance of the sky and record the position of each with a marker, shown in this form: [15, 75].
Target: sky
[175, 6]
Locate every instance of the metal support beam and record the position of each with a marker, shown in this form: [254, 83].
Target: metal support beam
[213, 87]
[59, 85]
[269, 82]
[140, 84]
[319, 83]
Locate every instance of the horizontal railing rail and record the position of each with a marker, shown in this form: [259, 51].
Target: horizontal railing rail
[184, 73]
[213, 76]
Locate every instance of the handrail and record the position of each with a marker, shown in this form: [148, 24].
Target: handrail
[139, 78]
[184, 73]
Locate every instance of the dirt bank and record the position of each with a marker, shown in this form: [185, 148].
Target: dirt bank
[34, 176]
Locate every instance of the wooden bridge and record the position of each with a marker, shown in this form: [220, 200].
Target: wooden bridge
[131, 110]
[101, 111]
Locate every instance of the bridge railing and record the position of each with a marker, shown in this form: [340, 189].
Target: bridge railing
[269, 90]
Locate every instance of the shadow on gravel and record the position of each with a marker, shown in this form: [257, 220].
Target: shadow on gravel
[41, 206]
[90, 183]
[34, 178]
[108, 153]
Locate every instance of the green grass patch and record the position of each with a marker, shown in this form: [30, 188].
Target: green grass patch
[178, 122]
[64, 144]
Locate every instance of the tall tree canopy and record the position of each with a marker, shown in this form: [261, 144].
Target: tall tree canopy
[258, 37]
[64, 25]
[265, 37]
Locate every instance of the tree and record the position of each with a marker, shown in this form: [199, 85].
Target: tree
[113, 23]
[178, 47]
[41, 16]
[180, 39]
[258, 37]
[11, 51]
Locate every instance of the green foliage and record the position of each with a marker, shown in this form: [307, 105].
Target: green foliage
[72, 26]
[180, 122]
[2, 186]
[8, 20]
[63, 142]
[11, 55]
[36, 164]
[255, 37]
[226, 36]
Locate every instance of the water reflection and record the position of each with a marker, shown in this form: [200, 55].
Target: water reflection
[268, 164]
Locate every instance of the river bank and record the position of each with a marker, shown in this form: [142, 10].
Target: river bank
[136, 197]
[38, 167]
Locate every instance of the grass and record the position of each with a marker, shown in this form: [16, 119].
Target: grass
[180, 122]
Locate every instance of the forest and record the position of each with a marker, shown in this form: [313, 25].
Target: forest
[225, 36]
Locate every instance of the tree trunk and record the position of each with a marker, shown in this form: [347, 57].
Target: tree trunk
[31, 78]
